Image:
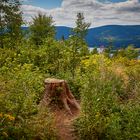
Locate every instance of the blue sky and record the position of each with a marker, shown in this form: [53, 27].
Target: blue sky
[97, 12]
[45, 3]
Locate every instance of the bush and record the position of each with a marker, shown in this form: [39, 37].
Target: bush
[108, 110]
[21, 90]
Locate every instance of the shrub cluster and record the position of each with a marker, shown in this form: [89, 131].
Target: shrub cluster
[110, 100]
[21, 89]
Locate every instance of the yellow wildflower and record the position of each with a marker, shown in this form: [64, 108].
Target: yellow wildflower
[11, 118]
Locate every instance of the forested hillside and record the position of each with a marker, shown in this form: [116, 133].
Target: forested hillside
[119, 36]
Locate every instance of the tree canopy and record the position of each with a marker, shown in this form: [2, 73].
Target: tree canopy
[10, 20]
[41, 28]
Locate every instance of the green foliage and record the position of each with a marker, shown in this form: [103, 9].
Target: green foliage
[79, 34]
[42, 28]
[94, 51]
[38, 126]
[110, 100]
[81, 26]
[108, 88]
[77, 43]
[10, 22]
[130, 52]
[41, 126]
[22, 87]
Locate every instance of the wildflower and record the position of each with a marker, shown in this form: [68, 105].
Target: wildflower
[11, 118]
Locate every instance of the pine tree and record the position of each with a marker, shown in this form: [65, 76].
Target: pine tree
[79, 34]
[81, 28]
[77, 42]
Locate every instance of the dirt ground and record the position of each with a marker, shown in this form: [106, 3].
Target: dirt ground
[64, 123]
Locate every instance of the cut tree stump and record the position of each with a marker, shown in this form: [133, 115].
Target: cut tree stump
[59, 89]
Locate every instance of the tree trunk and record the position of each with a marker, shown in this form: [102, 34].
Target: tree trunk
[59, 89]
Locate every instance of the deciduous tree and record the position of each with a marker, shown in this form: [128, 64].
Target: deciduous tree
[42, 28]
[10, 21]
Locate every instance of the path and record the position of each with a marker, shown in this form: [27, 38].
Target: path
[63, 122]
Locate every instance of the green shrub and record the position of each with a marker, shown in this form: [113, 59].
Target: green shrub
[41, 126]
[106, 112]
[21, 90]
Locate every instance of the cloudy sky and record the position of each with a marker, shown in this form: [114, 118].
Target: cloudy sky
[97, 12]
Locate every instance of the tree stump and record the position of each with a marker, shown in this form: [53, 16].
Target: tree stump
[56, 88]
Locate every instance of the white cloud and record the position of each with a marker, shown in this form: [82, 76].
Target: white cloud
[32, 10]
[96, 12]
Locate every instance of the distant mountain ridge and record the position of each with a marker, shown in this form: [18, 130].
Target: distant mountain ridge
[118, 35]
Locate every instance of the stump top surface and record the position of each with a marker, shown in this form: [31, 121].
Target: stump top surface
[53, 80]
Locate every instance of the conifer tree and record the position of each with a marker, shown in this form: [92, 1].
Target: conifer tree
[77, 42]
[81, 26]
[79, 34]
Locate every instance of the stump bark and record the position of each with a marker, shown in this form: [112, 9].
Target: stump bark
[59, 89]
